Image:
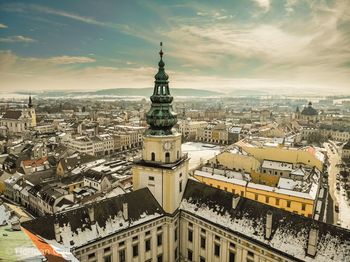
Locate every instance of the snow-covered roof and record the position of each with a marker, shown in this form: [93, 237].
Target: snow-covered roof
[220, 177]
[290, 232]
[298, 172]
[286, 183]
[277, 165]
[77, 227]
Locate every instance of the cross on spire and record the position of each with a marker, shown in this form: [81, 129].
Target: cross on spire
[161, 50]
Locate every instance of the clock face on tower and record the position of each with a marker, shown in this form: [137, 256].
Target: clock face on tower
[168, 146]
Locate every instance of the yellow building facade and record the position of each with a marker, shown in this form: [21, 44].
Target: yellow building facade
[237, 162]
[285, 155]
[295, 204]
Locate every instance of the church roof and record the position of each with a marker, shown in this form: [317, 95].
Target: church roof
[11, 114]
[309, 110]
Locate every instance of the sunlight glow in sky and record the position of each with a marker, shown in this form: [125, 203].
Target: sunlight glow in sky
[281, 46]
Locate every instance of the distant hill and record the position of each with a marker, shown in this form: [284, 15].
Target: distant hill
[188, 92]
[247, 92]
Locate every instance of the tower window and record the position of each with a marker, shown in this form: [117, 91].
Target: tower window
[153, 156]
[167, 157]
[180, 186]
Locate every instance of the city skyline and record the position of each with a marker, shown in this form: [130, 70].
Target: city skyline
[280, 47]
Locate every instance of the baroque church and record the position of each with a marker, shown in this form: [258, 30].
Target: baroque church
[170, 216]
[16, 121]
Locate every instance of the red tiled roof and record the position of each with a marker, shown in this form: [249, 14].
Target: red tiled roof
[35, 162]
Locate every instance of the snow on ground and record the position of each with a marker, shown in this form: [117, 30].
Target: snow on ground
[344, 208]
[198, 152]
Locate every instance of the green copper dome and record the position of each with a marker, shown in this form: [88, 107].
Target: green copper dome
[161, 117]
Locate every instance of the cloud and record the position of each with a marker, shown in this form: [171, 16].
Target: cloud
[3, 25]
[264, 4]
[62, 13]
[31, 64]
[214, 48]
[19, 73]
[312, 51]
[289, 5]
[17, 38]
[26, 8]
[66, 60]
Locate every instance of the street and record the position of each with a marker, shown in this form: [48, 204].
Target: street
[341, 216]
[332, 172]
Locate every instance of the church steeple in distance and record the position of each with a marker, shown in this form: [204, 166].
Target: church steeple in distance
[30, 104]
[161, 117]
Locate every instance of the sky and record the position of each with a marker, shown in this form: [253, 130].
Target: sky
[279, 46]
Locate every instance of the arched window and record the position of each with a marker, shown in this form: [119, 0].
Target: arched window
[167, 157]
[153, 156]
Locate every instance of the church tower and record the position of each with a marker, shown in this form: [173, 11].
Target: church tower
[163, 168]
[32, 113]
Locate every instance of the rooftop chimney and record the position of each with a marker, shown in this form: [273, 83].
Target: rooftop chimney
[91, 214]
[235, 200]
[268, 224]
[57, 231]
[125, 211]
[312, 243]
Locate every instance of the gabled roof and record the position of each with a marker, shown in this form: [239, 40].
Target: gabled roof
[289, 231]
[35, 162]
[12, 115]
[71, 162]
[347, 145]
[94, 175]
[78, 229]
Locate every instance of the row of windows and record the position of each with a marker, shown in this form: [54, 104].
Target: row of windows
[267, 198]
[229, 237]
[277, 202]
[135, 248]
[167, 156]
[225, 188]
[122, 243]
[232, 255]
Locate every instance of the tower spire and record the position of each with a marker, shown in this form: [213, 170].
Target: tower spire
[30, 104]
[161, 117]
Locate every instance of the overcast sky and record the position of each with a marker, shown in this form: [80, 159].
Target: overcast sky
[283, 46]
